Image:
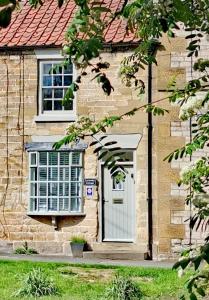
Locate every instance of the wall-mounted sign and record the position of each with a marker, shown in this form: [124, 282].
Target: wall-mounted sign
[89, 191]
[90, 181]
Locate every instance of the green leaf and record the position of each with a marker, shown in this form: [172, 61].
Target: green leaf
[60, 3]
[200, 291]
[192, 296]
[5, 17]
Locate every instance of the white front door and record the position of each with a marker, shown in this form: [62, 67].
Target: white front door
[119, 207]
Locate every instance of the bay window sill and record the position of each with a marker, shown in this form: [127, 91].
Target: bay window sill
[55, 118]
[55, 214]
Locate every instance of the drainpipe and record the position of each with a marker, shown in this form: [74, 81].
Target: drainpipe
[149, 164]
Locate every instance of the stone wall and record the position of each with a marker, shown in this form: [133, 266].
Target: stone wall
[18, 96]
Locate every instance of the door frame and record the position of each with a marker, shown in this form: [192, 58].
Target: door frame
[100, 198]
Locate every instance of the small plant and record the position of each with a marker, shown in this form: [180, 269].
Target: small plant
[25, 250]
[123, 288]
[78, 240]
[36, 283]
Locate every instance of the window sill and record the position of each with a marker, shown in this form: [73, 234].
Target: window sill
[56, 214]
[55, 118]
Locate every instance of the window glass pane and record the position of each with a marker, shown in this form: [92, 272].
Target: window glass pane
[33, 204]
[42, 189]
[75, 189]
[58, 105]
[58, 93]
[43, 158]
[64, 204]
[47, 68]
[61, 189]
[68, 69]
[76, 158]
[75, 174]
[67, 80]
[42, 204]
[42, 174]
[52, 204]
[47, 105]
[68, 105]
[33, 174]
[47, 80]
[64, 158]
[57, 80]
[47, 93]
[33, 189]
[53, 158]
[33, 159]
[75, 204]
[66, 189]
[53, 174]
[58, 67]
[52, 189]
[64, 174]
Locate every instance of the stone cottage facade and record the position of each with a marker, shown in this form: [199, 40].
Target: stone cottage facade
[48, 196]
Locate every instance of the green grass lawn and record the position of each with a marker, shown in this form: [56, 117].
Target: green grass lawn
[88, 282]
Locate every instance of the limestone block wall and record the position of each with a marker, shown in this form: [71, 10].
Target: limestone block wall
[18, 98]
[182, 130]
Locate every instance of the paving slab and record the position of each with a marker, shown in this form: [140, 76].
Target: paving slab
[72, 260]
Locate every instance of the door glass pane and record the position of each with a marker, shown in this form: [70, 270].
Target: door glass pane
[117, 186]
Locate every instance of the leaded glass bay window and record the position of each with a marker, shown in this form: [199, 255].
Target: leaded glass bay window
[56, 182]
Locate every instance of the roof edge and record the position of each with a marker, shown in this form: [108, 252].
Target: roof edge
[107, 46]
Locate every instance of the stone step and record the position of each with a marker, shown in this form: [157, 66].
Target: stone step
[113, 246]
[114, 255]
[6, 247]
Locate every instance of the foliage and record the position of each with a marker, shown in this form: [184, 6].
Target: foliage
[149, 21]
[36, 283]
[25, 250]
[78, 240]
[123, 288]
[154, 282]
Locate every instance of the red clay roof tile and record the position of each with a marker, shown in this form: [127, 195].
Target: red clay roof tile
[47, 25]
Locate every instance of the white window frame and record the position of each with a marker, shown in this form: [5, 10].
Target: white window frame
[37, 181]
[56, 115]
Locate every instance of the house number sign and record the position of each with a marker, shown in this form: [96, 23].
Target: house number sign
[90, 181]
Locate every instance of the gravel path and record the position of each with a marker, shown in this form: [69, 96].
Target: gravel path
[71, 260]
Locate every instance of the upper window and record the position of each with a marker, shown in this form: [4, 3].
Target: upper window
[55, 182]
[53, 83]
